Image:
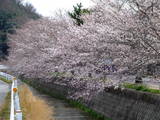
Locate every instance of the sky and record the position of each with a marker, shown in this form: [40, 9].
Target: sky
[49, 7]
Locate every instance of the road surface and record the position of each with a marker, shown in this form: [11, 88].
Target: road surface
[4, 89]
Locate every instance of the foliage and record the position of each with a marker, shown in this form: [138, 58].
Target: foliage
[141, 88]
[13, 13]
[58, 74]
[3, 50]
[22, 11]
[126, 36]
[92, 113]
[5, 80]
[6, 26]
[77, 13]
[30, 11]
[5, 22]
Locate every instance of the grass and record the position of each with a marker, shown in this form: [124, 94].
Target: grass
[93, 114]
[5, 108]
[33, 107]
[140, 87]
[5, 80]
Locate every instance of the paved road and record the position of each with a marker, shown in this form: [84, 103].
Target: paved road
[62, 110]
[4, 89]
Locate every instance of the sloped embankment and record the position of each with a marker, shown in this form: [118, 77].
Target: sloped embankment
[62, 110]
[33, 107]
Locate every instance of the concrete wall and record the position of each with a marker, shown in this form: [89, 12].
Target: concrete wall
[114, 104]
[127, 105]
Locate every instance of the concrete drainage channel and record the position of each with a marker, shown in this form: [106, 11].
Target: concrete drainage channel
[62, 110]
[15, 111]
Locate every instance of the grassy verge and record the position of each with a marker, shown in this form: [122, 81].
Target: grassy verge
[140, 87]
[93, 114]
[5, 80]
[5, 108]
[33, 107]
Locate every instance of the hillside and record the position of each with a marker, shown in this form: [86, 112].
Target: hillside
[19, 10]
[13, 13]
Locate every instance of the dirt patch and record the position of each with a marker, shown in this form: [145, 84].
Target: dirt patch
[33, 107]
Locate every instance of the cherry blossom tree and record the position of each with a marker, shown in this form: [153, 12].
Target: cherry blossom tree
[121, 35]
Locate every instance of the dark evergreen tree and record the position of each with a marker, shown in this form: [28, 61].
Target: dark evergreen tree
[6, 23]
[77, 13]
[6, 26]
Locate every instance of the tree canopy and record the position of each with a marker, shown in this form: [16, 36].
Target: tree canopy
[13, 13]
[124, 37]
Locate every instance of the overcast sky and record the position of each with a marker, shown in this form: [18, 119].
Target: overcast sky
[48, 7]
